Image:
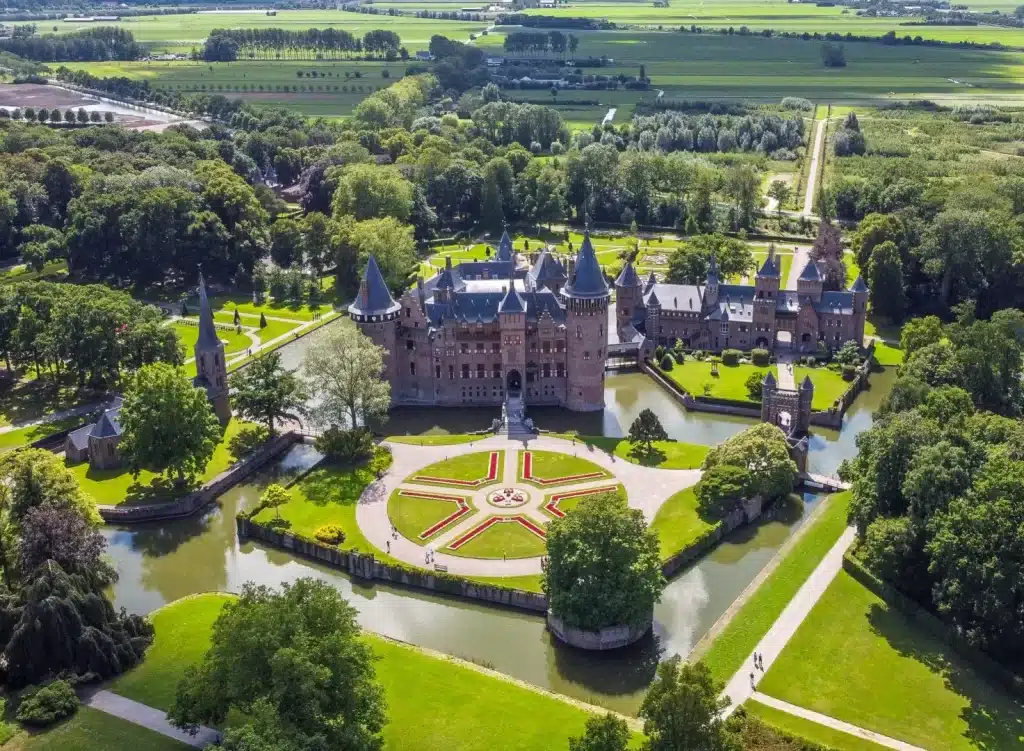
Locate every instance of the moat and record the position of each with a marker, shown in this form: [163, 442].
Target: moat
[161, 562]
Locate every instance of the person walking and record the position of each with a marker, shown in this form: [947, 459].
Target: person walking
[389, 547]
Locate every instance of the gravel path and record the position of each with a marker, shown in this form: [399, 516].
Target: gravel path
[148, 717]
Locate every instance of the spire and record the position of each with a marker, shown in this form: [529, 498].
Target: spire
[811, 273]
[511, 302]
[587, 278]
[769, 267]
[859, 285]
[651, 281]
[374, 296]
[505, 251]
[713, 269]
[628, 276]
[208, 338]
[807, 384]
[769, 380]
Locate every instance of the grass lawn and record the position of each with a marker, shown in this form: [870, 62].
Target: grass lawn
[92, 729]
[730, 383]
[664, 454]
[183, 631]
[413, 516]
[811, 731]
[504, 540]
[327, 495]
[112, 487]
[569, 504]
[733, 645]
[435, 440]
[188, 334]
[828, 385]
[13, 439]
[856, 659]
[678, 523]
[531, 583]
[887, 345]
[467, 467]
[272, 308]
[554, 465]
[432, 703]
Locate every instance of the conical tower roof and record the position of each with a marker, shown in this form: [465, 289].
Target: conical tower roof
[208, 338]
[713, 269]
[512, 302]
[651, 281]
[374, 297]
[587, 280]
[769, 379]
[811, 272]
[859, 285]
[505, 251]
[628, 276]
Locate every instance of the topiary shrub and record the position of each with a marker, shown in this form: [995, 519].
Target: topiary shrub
[345, 446]
[679, 356]
[666, 363]
[731, 357]
[48, 705]
[849, 372]
[659, 352]
[760, 357]
[330, 534]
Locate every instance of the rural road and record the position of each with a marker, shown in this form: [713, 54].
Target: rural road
[812, 177]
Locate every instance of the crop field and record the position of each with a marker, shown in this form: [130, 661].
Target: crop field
[182, 32]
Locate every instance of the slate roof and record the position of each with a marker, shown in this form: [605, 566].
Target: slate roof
[735, 303]
[505, 252]
[652, 298]
[859, 285]
[628, 277]
[587, 278]
[512, 302]
[651, 281]
[807, 384]
[546, 269]
[681, 297]
[109, 424]
[788, 303]
[374, 297]
[712, 268]
[208, 338]
[487, 269]
[835, 302]
[481, 302]
[811, 273]
[770, 267]
[769, 379]
[80, 438]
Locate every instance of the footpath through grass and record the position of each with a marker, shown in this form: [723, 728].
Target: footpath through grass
[93, 730]
[811, 731]
[112, 487]
[858, 660]
[731, 647]
[432, 703]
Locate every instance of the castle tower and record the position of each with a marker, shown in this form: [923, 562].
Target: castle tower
[652, 322]
[803, 415]
[211, 367]
[512, 319]
[505, 250]
[860, 308]
[768, 389]
[711, 283]
[628, 295]
[375, 313]
[810, 282]
[767, 281]
[586, 296]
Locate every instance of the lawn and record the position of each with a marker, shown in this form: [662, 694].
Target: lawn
[569, 504]
[858, 660]
[731, 647]
[435, 440]
[413, 516]
[828, 385]
[13, 439]
[836, 740]
[112, 487]
[678, 523]
[503, 540]
[887, 343]
[552, 468]
[432, 702]
[327, 495]
[271, 308]
[188, 334]
[664, 454]
[730, 383]
[91, 729]
[464, 468]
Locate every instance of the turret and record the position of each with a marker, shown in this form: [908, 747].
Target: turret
[375, 312]
[505, 250]
[768, 277]
[586, 295]
[512, 317]
[860, 308]
[211, 365]
[810, 282]
[711, 283]
[806, 400]
[652, 322]
[628, 295]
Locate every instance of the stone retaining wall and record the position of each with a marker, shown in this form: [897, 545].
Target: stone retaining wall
[751, 510]
[613, 637]
[366, 566]
[197, 499]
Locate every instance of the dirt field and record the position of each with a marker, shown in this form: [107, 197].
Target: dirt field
[37, 95]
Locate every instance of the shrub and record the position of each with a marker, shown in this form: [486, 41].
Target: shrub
[698, 354]
[721, 489]
[330, 534]
[345, 446]
[753, 384]
[248, 439]
[666, 363]
[849, 371]
[659, 352]
[760, 357]
[731, 357]
[48, 705]
[679, 356]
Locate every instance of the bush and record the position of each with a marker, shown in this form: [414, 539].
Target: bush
[679, 356]
[659, 352]
[330, 534]
[849, 372]
[248, 439]
[731, 357]
[753, 384]
[760, 357]
[666, 363]
[698, 354]
[345, 446]
[721, 489]
[48, 705]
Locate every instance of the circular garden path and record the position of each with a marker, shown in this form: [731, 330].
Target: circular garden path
[481, 508]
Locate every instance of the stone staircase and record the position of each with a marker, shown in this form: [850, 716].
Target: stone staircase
[515, 423]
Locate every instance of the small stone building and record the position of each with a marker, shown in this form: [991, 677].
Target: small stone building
[97, 443]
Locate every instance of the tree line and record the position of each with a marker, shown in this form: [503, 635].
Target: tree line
[97, 44]
[225, 45]
[673, 131]
[538, 42]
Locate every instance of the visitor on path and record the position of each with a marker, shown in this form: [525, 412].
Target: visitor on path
[752, 684]
[389, 547]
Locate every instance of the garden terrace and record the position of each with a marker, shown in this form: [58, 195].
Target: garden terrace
[545, 469]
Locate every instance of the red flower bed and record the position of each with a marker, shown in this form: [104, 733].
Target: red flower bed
[461, 510]
[528, 473]
[552, 505]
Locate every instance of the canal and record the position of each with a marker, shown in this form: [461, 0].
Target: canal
[162, 562]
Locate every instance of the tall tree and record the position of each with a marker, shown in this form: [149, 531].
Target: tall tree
[602, 733]
[265, 392]
[645, 430]
[343, 372]
[391, 243]
[885, 281]
[682, 710]
[167, 425]
[763, 451]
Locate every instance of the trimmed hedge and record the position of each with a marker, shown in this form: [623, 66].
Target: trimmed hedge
[731, 357]
[760, 357]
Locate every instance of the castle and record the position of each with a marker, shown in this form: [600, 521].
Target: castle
[98, 443]
[482, 332]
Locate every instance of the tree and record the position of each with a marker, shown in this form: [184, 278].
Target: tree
[62, 534]
[286, 243]
[828, 249]
[721, 488]
[754, 383]
[763, 451]
[343, 372]
[833, 55]
[366, 191]
[682, 709]
[607, 733]
[603, 567]
[743, 185]
[885, 281]
[645, 430]
[689, 263]
[274, 497]
[391, 243]
[264, 391]
[35, 478]
[293, 665]
[167, 425]
[317, 231]
[780, 190]
[918, 333]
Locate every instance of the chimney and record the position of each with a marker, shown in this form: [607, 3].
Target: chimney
[448, 262]
[571, 269]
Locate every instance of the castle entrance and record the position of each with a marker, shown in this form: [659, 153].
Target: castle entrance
[513, 383]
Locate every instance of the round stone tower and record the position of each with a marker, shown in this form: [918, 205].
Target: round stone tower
[586, 295]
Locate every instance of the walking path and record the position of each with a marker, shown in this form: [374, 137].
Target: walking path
[148, 717]
[812, 176]
[740, 687]
[646, 489]
[832, 722]
[801, 255]
[784, 368]
[81, 409]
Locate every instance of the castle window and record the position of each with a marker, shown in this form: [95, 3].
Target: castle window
[480, 371]
[437, 371]
[724, 328]
[600, 329]
[465, 371]
[409, 344]
[547, 370]
[408, 312]
[465, 348]
[412, 368]
[451, 372]
[479, 346]
[495, 347]
[496, 370]
[559, 346]
[586, 355]
[579, 332]
[546, 347]
[560, 370]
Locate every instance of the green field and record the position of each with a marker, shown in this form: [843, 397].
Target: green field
[664, 454]
[678, 523]
[93, 729]
[694, 375]
[465, 467]
[504, 540]
[413, 516]
[836, 740]
[828, 385]
[188, 334]
[554, 465]
[857, 659]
